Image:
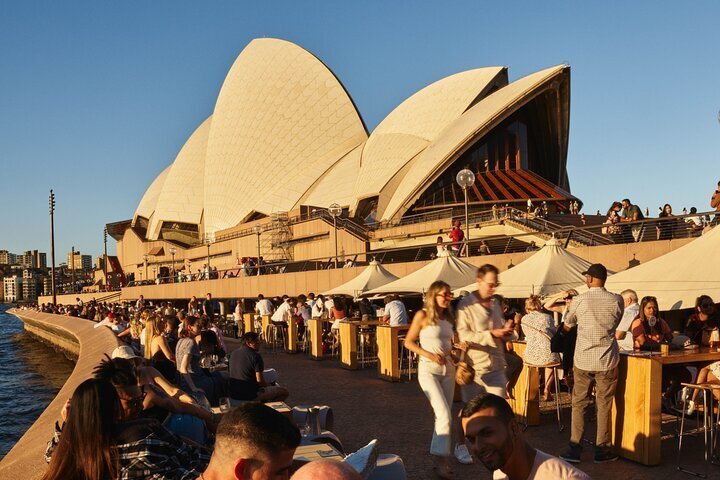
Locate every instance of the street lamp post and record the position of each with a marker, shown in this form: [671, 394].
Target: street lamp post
[105, 257]
[465, 178]
[173, 251]
[257, 230]
[52, 245]
[73, 269]
[335, 210]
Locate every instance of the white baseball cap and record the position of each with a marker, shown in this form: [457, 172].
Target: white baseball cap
[124, 352]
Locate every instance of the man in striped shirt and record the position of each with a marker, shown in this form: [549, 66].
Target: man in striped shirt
[597, 314]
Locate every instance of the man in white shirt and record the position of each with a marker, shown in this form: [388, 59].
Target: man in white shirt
[632, 310]
[238, 317]
[395, 313]
[264, 306]
[496, 440]
[283, 312]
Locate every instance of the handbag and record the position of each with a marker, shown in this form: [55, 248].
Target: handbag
[557, 342]
[464, 373]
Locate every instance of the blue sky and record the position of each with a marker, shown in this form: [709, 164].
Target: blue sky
[96, 98]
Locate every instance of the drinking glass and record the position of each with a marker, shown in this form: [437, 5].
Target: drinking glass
[304, 430]
[225, 405]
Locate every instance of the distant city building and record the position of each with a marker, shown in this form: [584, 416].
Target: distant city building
[30, 281]
[81, 262]
[12, 287]
[47, 286]
[41, 259]
[100, 262]
[7, 258]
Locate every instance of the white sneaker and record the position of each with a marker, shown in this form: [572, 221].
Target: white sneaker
[690, 408]
[462, 455]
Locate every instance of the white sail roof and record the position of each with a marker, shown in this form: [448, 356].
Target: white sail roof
[446, 267]
[374, 276]
[677, 278]
[550, 270]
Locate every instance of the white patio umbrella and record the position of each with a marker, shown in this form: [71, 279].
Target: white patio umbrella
[677, 278]
[446, 267]
[374, 276]
[548, 271]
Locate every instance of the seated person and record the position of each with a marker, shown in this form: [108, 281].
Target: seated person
[246, 374]
[102, 437]
[703, 321]
[647, 329]
[496, 440]
[253, 442]
[707, 374]
[649, 332]
[193, 378]
[162, 397]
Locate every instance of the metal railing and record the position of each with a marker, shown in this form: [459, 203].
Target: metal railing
[651, 229]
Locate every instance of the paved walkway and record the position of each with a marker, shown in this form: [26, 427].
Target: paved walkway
[399, 416]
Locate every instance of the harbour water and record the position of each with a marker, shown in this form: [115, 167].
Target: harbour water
[31, 374]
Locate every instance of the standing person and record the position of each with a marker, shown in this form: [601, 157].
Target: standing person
[433, 328]
[597, 314]
[456, 236]
[238, 317]
[497, 441]
[623, 334]
[632, 213]
[481, 325]
[208, 306]
[318, 308]
[568, 338]
[715, 203]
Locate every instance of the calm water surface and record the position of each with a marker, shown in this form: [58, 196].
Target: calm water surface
[31, 374]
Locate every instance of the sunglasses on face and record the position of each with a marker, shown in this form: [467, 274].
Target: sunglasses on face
[135, 401]
[445, 295]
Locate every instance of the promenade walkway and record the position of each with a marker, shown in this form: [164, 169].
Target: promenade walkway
[399, 416]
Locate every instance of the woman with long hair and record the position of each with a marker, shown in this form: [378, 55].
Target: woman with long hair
[665, 227]
[187, 355]
[649, 332]
[86, 449]
[157, 349]
[431, 337]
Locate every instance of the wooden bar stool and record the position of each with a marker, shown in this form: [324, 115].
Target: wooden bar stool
[554, 367]
[710, 421]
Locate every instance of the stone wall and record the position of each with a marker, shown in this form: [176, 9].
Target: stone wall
[79, 338]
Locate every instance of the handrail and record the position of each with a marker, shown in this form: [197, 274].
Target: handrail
[651, 229]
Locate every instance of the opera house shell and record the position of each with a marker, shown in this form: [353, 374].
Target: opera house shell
[285, 134]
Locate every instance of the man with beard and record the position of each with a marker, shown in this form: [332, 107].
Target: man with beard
[496, 440]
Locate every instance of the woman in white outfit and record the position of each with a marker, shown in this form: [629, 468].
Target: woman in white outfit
[433, 327]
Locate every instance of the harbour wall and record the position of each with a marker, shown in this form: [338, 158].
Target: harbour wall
[79, 339]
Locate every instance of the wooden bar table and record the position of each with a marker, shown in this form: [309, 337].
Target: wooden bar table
[265, 322]
[249, 319]
[349, 341]
[389, 351]
[315, 330]
[636, 415]
[533, 400]
[292, 337]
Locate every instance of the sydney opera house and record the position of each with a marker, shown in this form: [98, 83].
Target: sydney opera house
[285, 141]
